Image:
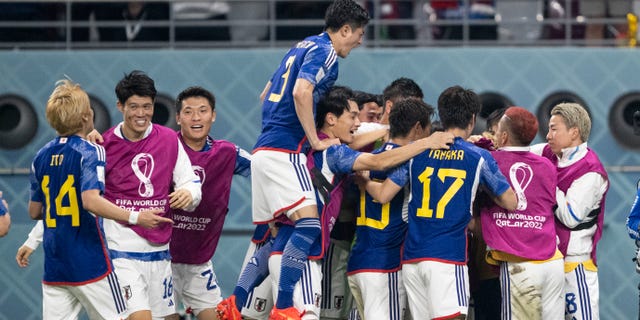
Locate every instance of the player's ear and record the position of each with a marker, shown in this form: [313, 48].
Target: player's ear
[178, 119]
[330, 119]
[345, 30]
[213, 116]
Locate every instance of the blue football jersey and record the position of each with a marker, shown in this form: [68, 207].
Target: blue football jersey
[443, 187]
[312, 59]
[74, 243]
[380, 229]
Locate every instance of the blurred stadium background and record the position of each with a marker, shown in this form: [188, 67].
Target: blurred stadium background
[530, 53]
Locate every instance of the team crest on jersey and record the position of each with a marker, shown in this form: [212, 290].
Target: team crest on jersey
[260, 304]
[143, 165]
[199, 171]
[127, 292]
[338, 301]
[318, 299]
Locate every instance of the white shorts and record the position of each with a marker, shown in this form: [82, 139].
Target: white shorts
[260, 299]
[336, 296]
[436, 289]
[307, 293]
[102, 299]
[379, 295]
[196, 286]
[280, 183]
[146, 285]
[581, 294]
[532, 290]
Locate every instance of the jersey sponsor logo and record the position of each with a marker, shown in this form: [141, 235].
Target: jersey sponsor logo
[142, 165]
[260, 304]
[199, 171]
[317, 300]
[520, 175]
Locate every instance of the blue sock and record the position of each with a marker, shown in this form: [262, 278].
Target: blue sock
[294, 258]
[256, 270]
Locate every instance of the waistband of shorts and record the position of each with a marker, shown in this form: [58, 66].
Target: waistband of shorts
[142, 256]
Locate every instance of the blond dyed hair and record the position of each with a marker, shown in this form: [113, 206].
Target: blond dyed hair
[575, 116]
[66, 106]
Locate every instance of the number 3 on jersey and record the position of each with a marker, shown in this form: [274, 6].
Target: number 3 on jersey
[425, 177]
[67, 189]
[275, 97]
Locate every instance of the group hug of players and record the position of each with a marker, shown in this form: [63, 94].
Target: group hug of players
[394, 236]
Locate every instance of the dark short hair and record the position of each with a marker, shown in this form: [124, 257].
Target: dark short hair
[335, 101]
[135, 83]
[457, 107]
[342, 12]
[406, 113]
[402, 88]
[361, 97]
[195, 91]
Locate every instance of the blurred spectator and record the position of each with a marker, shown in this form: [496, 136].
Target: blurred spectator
[30, 12]
[202, 11]
[599, 9]
[561, 9]
[135, 16]
[248, 10]
[519, 20]
[393, 9]
[479, 10]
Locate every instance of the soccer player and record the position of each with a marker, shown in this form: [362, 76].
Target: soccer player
[195, 234]
[583, 184]
[5, 217]
[67, 180]
[146, 162]
[443, 186]
[337, 118]
[375, 275]
[279, 179]
[523, 241]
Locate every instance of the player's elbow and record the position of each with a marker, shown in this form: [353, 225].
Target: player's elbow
[5, 225]
[508, 200]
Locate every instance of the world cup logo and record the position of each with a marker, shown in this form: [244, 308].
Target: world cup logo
[142, 166]
[520, 175]
[199, 171]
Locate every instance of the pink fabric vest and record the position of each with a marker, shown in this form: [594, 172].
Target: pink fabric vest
[566, 176]
[529, 231]
[196, 234]
[139, 175]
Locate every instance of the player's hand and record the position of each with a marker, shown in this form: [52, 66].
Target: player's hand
[180, 199]
[361, 178]
[150, 219]
[22, 257]
[324, 144]
[474, 138]
[439, 140]
[95, 137]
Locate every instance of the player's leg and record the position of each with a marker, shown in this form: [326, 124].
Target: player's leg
[254, 284]
[416, 284]
[448, 289]
[383, 294]
[281, 183]
[102, 299]
[553, 289]
[198, 288]
[307, 292]
[581, 293]
[132, 275]
[337, 300]
[58, 303]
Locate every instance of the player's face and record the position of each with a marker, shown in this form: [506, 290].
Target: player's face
[370, 112]
[136, 113]
[351, 38]
[195, 118]
[499, 133]
[347, 124]
[559, 136]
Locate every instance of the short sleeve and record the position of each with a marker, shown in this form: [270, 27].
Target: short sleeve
[340, 158]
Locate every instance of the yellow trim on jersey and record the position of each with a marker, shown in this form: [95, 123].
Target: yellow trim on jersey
[589, 265]
[494, 257]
